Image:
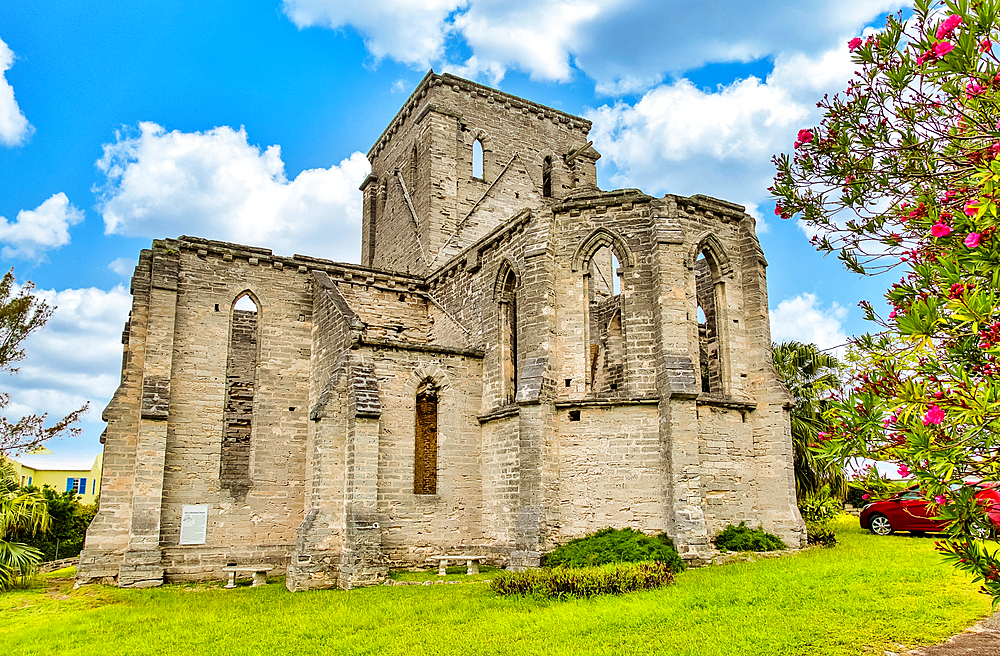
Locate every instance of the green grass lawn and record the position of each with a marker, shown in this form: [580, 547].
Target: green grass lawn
[860, 597]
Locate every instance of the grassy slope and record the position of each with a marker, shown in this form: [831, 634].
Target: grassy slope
[867, 592]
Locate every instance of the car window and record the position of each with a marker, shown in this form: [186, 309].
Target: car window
[907, 496]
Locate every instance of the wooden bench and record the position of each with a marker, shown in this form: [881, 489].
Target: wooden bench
[471, 563]
[259, 574]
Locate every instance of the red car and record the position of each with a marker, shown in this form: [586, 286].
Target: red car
[909, 511]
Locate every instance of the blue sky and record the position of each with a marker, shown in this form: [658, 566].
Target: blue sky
[121, 122]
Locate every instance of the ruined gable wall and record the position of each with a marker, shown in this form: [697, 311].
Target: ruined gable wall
[609, 468]
[261, 526]
[742, 436]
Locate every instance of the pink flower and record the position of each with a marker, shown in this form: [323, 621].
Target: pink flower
[804, 137]
[864, 496]
[985, 45]
[892, 315]
[940, 230]
[970, 208]
[948, 26]
[972, 240]
[943, 48]
[854, 44]
[903, 470]
[939, 500]
[923, 57]
[934, 415]
[974, 88]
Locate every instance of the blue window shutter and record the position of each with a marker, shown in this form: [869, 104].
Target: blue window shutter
[29, 480]
[83, 486]
[69, 484]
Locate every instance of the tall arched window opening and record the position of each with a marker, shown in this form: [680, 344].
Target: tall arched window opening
[372, 214]
[241, 377]
[605, 346]
[425, 440]
[477, 159]
[413, 169]
[508, 336]
[547, 177]
[709, 338]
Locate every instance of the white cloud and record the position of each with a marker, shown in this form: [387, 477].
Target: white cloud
[215, 184]
[409, 31]
[123, 266]
[41, 229]
[624, 45]
[14, 127]
[75, 357]
[803, 320]
[682, 139]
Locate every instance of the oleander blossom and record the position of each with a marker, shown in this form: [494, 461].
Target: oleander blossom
[972, 240]
[940, 230]
[903, 471]
[854, 44]
[939, 500]
[943, 48]
[804, 137]
[974, 88]
[947, 27]
[934, 415]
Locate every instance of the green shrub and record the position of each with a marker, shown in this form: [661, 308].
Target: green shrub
[820, 533]
[820, 507]
[743, 538]
[611, 545]
[564, 582]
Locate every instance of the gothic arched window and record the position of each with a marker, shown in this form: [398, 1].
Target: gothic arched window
[241, 379]
[425, 440]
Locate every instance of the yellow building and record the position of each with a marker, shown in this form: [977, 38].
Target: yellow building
[61, 473]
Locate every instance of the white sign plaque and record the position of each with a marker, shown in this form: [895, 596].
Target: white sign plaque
[194, 524]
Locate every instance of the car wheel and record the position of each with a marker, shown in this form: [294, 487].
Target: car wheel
[879, 525]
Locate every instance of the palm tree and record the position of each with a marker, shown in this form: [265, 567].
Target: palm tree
[20, 512]
[810, 375]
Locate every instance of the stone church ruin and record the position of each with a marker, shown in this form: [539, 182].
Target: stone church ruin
[520, 359]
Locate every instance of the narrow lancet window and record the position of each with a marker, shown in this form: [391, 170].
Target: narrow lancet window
[603, 324]
[477, 159]
[241, 376]
[425, 440]
[709, 341]
[508, 337]
[372, 212]
[547, 177]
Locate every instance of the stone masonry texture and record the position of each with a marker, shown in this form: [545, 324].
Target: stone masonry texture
[518, 361]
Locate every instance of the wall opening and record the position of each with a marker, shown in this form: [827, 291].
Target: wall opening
[605, 346]
[547, 177]
[425, 440]
[709, 338]
[241, 375]
[372, 212]
[477, 159]
[413, 169]
[508, 337]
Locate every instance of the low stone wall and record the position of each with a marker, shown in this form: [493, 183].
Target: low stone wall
[53, 565]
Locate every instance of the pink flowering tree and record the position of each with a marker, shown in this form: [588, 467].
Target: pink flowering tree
[903, 173]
